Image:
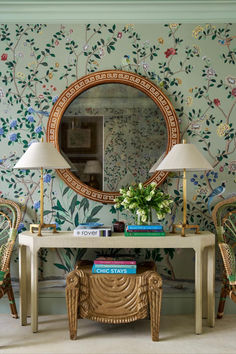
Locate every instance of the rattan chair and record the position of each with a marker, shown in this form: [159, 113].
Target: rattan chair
[10, 216]
[224, 217]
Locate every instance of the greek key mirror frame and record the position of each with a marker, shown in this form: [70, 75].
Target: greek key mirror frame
[102, 77]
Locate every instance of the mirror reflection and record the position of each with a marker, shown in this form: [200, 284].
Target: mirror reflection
[111, 135]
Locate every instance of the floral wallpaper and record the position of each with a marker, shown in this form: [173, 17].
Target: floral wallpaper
[193, 64]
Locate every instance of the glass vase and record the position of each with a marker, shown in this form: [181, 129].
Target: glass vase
[138, 219]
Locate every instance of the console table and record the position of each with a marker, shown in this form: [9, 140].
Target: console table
[203, 245]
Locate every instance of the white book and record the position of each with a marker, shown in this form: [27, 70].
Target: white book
[99, 232]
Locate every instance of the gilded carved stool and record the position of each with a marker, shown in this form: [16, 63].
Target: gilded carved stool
[114, 298]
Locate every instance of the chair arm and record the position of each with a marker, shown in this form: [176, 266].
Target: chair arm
[5, 253]
[229, 262]
[220, 233]
[232, 293]
[12, 234]
[3, 274]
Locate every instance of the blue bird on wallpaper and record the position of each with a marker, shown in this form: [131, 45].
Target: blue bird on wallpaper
[44, 113]
[215, 193]
[32, 110]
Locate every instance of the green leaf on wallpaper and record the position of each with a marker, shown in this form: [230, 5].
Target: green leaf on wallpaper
[80, 253]
[63, 218]
[76, 219]
[65, 191]
[95, 210]
[70, 193]
[61, 266]
[89, 219]
[176, 192]
[156, 255]
[59, 207]
[73, 204]
[84, 204]
[147, 254]
[67, 261]
[113, 210]
[46, 212]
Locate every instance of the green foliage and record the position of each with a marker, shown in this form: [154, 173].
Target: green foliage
[70, 258]
[139, 199]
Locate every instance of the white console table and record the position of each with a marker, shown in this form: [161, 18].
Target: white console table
[203, 243]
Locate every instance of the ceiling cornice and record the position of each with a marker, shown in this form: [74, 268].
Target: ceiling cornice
[141, 11]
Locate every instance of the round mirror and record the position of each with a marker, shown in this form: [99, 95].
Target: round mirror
[112, 126]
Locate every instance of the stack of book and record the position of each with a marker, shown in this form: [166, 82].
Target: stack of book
[114, 267]
[144, 230]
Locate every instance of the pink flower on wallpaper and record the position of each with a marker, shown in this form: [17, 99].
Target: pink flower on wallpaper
[170, 51]
[234, 92]
[4, 57]
[221, 169]
[56, 42]
[119, 35]
[217, 102]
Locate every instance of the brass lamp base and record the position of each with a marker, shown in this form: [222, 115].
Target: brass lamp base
[186, 226]
[39, 227]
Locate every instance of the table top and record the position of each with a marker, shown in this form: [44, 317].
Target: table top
[63, 239]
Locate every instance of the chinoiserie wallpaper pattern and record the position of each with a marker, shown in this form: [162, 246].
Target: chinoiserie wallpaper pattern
[193, 64]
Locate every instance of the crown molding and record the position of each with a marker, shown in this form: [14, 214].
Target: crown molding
[141, 11]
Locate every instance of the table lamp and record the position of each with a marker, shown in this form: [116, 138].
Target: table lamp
[184, 157]
[93, 168]
[42, 155]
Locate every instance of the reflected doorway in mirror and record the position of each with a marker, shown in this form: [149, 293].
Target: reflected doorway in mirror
[79, 135]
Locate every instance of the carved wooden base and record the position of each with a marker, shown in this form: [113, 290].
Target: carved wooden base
[155, 297]
[113, 298]
[39, 227]
[183, 227]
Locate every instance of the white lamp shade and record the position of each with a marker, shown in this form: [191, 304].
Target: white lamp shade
[93, 167]
[184, 156]
[42, 155]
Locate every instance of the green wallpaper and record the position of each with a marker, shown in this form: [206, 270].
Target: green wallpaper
[193, 64]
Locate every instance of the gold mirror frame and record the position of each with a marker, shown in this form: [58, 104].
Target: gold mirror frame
[103, 77]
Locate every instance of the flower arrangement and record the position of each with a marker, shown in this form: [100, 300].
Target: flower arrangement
[140, 201]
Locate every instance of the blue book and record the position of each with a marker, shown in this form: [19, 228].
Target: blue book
[144, 227]
[113, 270]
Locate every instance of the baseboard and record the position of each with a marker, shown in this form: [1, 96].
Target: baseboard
[171, 305]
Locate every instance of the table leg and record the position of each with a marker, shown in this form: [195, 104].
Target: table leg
[198, 291]
[23, 288]
[204, 283]
[211, 286]
[34, 290]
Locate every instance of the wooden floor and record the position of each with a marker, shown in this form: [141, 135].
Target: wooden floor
[176, 336]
